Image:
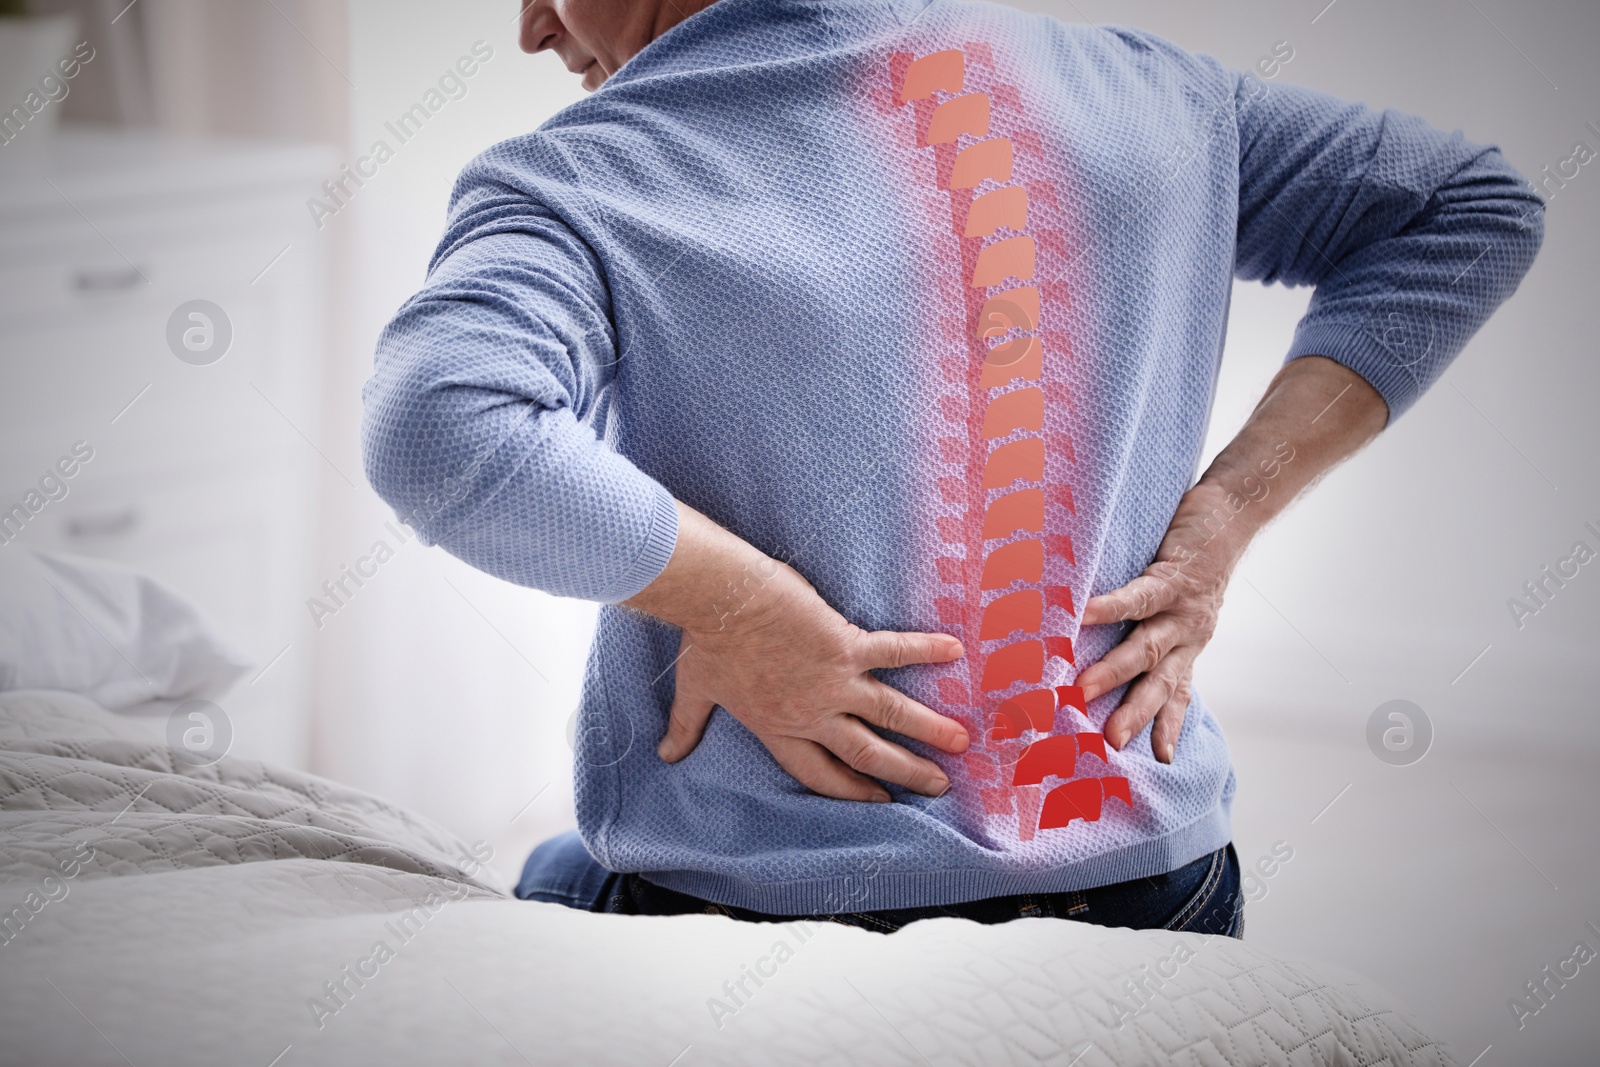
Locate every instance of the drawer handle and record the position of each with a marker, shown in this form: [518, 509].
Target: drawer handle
[106, 281]
[110, 524]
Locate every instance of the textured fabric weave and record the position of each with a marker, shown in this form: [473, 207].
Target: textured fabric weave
[740, 275]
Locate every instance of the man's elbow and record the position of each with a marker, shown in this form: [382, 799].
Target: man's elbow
[405, 450]
[1530, 227]
[1520, 208]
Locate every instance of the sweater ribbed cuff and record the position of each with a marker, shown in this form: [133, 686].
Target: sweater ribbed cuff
[1395, 373]
[654, 555]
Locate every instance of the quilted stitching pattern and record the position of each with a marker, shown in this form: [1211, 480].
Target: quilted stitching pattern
[287, 879]
[69, 772]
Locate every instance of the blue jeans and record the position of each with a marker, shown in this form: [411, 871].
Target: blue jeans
[1199, 897]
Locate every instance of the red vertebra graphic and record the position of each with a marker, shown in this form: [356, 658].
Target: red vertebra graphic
[987, 160]
[1005, 667]
[1056, 755]
[1021, 410]
[1060, 647]
[958, 115]
[941, 70]
[1005, 502]
[1036, 710]
[1023, 611]
[1018, 561]
[1011, 258]
[1072, 697]
[1007, 207]
[1081, 799]
[1022, 459]
[1033, 710]
[1021, 510]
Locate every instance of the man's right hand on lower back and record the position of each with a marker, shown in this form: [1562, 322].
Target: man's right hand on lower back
[795, 672]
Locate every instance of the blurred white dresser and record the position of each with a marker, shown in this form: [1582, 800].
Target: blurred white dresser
[204, 475]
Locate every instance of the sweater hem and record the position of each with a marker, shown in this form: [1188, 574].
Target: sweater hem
[921, 889]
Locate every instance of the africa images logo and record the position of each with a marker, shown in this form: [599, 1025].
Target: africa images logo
[199, 733]
[199, 332]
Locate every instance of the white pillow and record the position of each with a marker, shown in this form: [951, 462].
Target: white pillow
[113, 635]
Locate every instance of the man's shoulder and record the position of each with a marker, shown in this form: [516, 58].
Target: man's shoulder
[1041, 35]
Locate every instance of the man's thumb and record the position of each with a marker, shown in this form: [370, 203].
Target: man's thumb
[684, 727]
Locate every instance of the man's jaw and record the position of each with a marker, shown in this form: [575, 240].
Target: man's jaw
[587, 68]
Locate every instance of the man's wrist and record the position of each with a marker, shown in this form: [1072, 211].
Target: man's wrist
[715, 580]
[748, 596]
[1214, 524]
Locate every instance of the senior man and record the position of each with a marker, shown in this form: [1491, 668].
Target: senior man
[858, 354]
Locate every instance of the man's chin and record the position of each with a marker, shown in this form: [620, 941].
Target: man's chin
[593, 77]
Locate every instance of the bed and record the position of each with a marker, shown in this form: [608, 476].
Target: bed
[158, 909]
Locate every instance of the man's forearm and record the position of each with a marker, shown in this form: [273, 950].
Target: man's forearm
[1315, 414]
[712, 572]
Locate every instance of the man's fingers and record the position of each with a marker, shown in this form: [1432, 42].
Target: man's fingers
[685, 726]
[1169, 724]
[1139, 599]
[814, 767]
[891, 709]
[1144, 698]
[891, 648]
[1146, 645]
[1147, 696]
[862, 750]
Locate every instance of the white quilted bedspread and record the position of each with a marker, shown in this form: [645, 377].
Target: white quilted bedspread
[160, 914]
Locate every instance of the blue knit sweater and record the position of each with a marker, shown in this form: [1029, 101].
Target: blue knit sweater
[761, 270]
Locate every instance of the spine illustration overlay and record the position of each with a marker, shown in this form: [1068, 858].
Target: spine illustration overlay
[1005, 518]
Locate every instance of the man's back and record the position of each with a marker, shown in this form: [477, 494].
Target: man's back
[927, 304]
